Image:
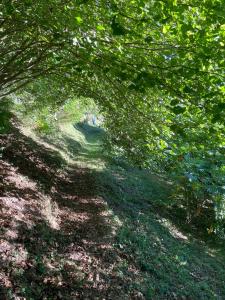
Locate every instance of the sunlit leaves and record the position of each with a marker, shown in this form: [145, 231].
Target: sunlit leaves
[156, 68]
[100, 27]
[79, 20]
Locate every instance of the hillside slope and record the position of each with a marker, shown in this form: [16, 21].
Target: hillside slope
[77, 225]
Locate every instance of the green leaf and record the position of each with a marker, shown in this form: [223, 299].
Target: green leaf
[174, 102]
[100, 27]
[79, 20]
[179, 109]
[187, 89]
[166, 28]
[117, 28]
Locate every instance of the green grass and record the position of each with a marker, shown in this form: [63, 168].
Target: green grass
[173, 264]
[169, 259]
[79, 143]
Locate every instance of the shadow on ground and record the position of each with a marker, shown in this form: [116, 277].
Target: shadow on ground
[86, 149]
[92, 134]
[175, 263]
[56, 232]
[72, 233]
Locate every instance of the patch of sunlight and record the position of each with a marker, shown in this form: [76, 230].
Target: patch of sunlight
[5, 279]
[180, 260]
[84, 159]
[173, 230]
[13, 252]
[50, 211]
[72, 132]
[15, 207]
[119, 176]
[28, 132]
[113, 219]
[212, 252]
[80, 217]
[117, 221]
[106, 213]
[11, 234]
[94, 164]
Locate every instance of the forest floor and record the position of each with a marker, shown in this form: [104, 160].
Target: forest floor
[78, 225]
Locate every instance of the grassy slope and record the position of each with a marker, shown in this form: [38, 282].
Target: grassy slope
[170, 263]
[156, 258]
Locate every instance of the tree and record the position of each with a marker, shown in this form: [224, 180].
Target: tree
[157, 63]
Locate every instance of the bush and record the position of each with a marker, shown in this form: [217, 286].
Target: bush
[5, 116]
[201, 181]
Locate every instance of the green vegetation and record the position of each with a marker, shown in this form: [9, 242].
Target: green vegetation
[172, 262]
[161, 256]
[152, 73]
[155, 69]
[152, 233]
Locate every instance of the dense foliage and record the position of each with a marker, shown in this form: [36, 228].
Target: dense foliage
[47, 102]
[155, 68]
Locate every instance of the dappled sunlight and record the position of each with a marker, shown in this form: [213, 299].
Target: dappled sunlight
[13, 253]
[174, 231]
[150, 236]
[112, 150]
[73, 146]
[50, 212]
[56, 233]
[73, 232]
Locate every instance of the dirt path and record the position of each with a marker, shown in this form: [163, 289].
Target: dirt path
[89, 230]
[57, 234]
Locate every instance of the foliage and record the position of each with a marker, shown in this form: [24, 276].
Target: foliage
[154, 68]
[141, 251]
[201, 182]
[133, 46]
[161, 247]
[47, 102]
[74, 109]
[5, 116]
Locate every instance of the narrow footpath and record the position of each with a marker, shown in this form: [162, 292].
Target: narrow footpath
[57, 234]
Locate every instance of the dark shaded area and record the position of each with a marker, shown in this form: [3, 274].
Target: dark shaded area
[31, 159]
[158, 198]
[73, 147]
[173, 256]
[91, 133]
[74, 261]
[5, 116]
[58, 240]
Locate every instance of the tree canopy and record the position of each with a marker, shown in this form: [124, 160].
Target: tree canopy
[155, 68]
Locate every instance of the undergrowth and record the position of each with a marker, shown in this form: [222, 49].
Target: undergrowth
[174, 259]
[169, 258]
[173, 263]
